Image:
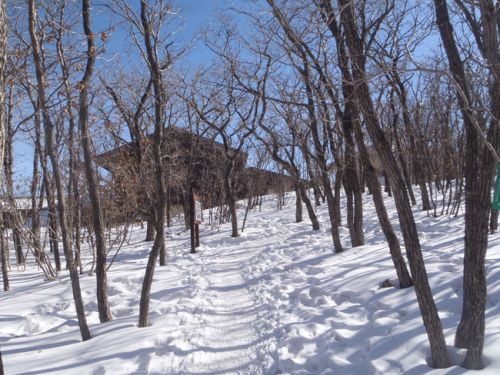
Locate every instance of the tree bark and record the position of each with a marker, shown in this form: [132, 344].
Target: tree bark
[41, 83]
[150, 227]
[3, 62]
[370, 174]
[479, 171]
[432, 323]
[159, 104]
[4, 255]
[97, 222]
[192, 218]
[298, 205]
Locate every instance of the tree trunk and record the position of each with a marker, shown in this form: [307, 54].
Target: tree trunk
[5, 258]
[298, 205]
[41, 80]
[479, 171]
[231, 201]
[432, 323]
[371, 179]
[493, 221]
[309, 207]
[159, 104]
[192, 218]
[92, 184]
[150, 227]
[332, 211]
[3, 62]
[1, 361]
[53, 237]
[16, 236]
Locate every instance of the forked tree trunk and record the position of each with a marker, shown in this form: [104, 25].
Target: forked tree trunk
[41, 82]
[432, 323]
[479, 170]
[370, 175]
[309, 207]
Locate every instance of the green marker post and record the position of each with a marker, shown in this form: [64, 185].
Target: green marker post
[496, 195]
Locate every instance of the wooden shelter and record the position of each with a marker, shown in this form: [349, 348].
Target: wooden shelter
[189, 158]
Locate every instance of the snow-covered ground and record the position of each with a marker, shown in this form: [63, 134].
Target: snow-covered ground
[276, 300]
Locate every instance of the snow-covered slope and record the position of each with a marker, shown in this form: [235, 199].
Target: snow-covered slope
[276, 300]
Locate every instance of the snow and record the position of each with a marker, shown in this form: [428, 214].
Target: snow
[274, 300]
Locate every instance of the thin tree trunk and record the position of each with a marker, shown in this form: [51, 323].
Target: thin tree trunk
[4, 257]
[95, 203]
[3, 62]
[309, 207]
[432, 323]
[231, 201]
[479, 171]
[192, 218]
[404, 277]
[159, 104]
[493, 221]
[298, 205]
[41, 80]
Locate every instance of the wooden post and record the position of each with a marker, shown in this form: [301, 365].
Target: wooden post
[197, 234]
[192, 222]
[198, 218]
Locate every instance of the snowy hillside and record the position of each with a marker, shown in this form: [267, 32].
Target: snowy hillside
[274, 301]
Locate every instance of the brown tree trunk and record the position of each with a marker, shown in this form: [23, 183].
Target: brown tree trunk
[4, 255]
[53, 233]
[159, 105]
[3, 59]
[3, 62]
[192, 218]
[298, 205]
[150, 227]
[95, 203]
[493, 221]
[16, 236]
[432, 323]
[479, 170]
[309, 207]
[41, 81]
[231, 201]
[404, 277]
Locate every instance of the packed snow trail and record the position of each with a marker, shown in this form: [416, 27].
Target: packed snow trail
[224, 338]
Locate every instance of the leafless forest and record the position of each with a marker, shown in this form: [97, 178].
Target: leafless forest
[335, 96]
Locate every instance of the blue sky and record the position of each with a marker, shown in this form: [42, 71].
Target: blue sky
[196, 15]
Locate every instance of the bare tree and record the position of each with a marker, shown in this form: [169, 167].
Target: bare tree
[48, 125]
[83, 120]
[356, 43]
[3, 60]
[154, 66]
[480, 158]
